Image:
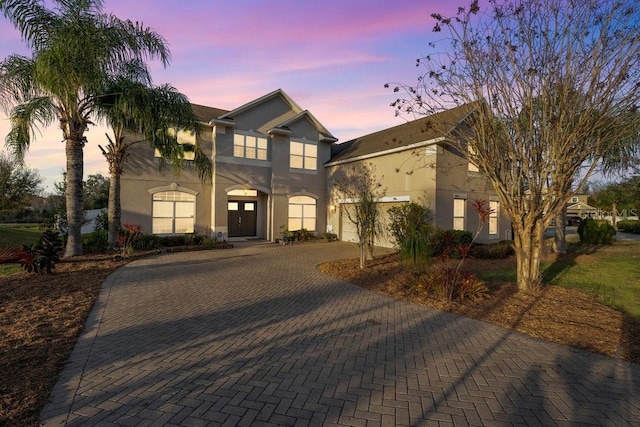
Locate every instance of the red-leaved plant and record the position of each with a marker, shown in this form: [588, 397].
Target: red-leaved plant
[125, 240]
[452, 283]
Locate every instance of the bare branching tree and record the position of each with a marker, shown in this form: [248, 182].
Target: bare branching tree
[554, 86]
[358, 191]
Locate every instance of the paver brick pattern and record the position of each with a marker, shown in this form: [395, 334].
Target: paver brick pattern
[256, 335]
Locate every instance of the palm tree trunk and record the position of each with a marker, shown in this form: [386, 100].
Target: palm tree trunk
[74, 197]
[114, 212]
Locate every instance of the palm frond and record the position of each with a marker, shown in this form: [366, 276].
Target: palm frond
[16, 81]
[26, 119]
[31, 19]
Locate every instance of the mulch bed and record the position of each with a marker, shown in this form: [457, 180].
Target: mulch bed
[565, 316]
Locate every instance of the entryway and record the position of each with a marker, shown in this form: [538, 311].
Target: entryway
[242, 218]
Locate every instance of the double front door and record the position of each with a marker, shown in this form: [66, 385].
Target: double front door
[242, 218]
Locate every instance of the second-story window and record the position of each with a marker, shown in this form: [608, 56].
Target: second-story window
[250, 147]
[303, 155]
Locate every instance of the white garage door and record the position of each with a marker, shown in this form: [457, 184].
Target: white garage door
[348, 231]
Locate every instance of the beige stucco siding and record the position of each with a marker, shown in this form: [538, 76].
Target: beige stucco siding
[432, 177]
[142, 173]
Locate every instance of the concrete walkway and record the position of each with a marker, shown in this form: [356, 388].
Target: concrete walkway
[255, 335]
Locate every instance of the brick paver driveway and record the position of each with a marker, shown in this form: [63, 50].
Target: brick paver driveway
[256, 335]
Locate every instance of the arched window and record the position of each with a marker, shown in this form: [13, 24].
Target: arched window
[302, 213]
[173, 212]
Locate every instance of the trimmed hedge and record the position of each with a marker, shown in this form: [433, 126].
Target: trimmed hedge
[497, 250]
[630, 225]
[596, 232]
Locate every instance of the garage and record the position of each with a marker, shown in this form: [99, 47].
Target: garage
[348, 232]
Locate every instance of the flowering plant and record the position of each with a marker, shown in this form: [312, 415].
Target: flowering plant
[125, 240]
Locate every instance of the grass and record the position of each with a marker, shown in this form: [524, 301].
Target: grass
[16, 235]
[610, 272]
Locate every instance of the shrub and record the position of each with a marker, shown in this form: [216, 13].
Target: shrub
[145, 242]
[596, 232]
[97, 241]
[411, 230]
[42, 258]
[447, 243]
[498, 250]
[630, 225]
[405, 219]
[450, 284]
[329, 237]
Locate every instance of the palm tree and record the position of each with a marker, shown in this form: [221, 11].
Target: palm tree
[76, 48]
[136, 107]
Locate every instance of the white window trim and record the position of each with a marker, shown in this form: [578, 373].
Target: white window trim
[494, 216]
[463, 216]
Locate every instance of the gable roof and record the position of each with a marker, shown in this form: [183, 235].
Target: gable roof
[283, 127]
[278, 92]
[326, 135]
[404, 136]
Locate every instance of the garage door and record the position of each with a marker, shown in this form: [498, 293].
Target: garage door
[348, 232]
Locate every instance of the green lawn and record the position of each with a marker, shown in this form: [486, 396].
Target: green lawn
[15, 235]
[18, 234]
[609, 271]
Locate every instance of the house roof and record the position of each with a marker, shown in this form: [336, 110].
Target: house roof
[326, 135]
[206, 114]
[581, 206]
[229, 115]
[422, 130]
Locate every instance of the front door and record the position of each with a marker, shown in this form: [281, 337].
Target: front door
[242, 218]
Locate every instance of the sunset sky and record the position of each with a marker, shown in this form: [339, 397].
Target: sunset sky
[332, 57]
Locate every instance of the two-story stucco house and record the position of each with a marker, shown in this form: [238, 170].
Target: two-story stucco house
[273, 165]
[268, 172]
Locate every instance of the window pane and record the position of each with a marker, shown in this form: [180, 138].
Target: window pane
[458, 207]
[250, 153]
[296, 162]
[493, 225]
[184, 225]
[249, 206]
[303, 200]
[238, 140]
[295, 211]
[162, 209]
[262, 154]
[232, 206]
[184, 209]
[310, 163]
[309, 224]
[250, 141]
[162, 226]
[310, 150]
[458, 223]
[238, 151]
[262, 143]
[297, 148]
[309, 211]
[294, 224]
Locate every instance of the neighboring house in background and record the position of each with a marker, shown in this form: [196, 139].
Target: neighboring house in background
[273, 165]
[267, 160]
[412, 165]
[578, 206]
